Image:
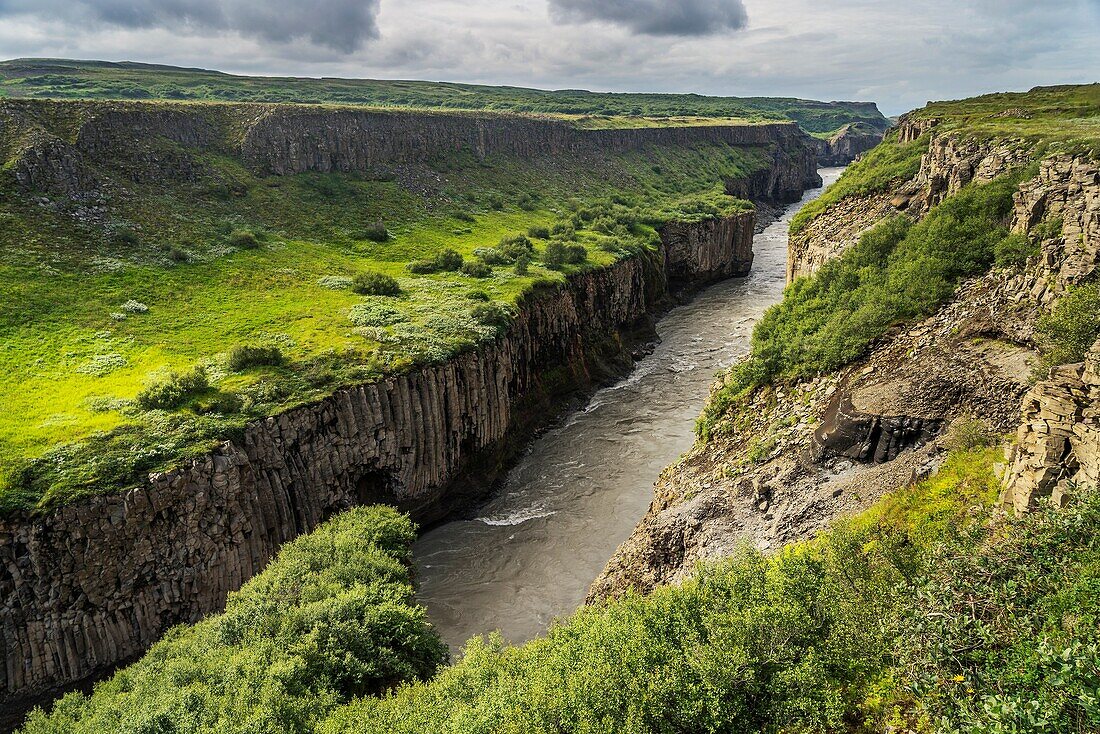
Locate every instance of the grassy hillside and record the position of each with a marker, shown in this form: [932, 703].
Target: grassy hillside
[1062, 119]
[66, 79]
[844, 633]
[143, 326]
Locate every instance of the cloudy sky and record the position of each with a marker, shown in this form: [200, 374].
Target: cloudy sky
[899, 54]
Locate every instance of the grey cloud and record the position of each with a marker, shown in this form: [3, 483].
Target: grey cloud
[341, 25]
[656, 17]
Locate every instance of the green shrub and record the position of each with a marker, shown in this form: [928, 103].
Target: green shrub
[446, 261]
[1067, 332]
[476, 269]
[376, 232]
[1014, 250]
[478, 296]
[558, 254]
[522, 265]
[496, 315]
[375, 314]
[375, 284]
[174, 391]
[495, 201]
[539, 233]
[244, 239]
[244, 356]
[331, 618]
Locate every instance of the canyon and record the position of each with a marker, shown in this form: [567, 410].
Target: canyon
[92, 584]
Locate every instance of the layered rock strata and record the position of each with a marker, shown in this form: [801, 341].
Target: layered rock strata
[1057, 449]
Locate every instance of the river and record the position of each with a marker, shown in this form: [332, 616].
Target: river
[531, 552]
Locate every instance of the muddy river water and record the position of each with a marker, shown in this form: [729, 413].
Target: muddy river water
[530, 553]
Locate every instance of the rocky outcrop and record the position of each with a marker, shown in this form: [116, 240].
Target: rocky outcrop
[95, 583]
[288, 139]
[790, 172]
[1057, 449]
[795, 456]
[950, 163]
[829, 235]
[1066, 192]
[848, 144]
[702, 252]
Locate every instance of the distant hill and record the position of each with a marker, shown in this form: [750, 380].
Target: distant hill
[65, 79]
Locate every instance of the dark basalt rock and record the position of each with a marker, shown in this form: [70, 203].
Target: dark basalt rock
[866, 437]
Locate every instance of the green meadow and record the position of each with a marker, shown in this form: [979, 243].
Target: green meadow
[145, 329]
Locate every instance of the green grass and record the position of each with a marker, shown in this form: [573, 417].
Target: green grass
[232, 259]
[872, 625]
[65, 79]
[1062, 118]
[884, 166]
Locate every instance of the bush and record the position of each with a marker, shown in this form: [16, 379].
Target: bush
[177, 255]
[331, 618]
[174, 391]
[244, 356]
[522, 265]
[495, 315]
[1067, 332]
[539, 233]
[446, 261]
[375, 284]
[244, 239]
[476, 269]
[376, 232]
[478, 296]
[559, 254]
[375, 314]
[1014, 251]
[224, 403]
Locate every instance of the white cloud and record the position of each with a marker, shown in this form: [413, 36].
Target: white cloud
[899, 55]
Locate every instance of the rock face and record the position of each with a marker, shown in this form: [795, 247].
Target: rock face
[848, 144]
[798, 455]
[161, 139]
[703, 252]
[1057, 445]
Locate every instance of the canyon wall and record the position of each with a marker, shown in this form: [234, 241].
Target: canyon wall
[799, 454]
[1057, 449]
[848, 144]
[93, 584]
[154, 139]
[950, 163]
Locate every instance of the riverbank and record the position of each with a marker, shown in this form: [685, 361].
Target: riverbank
[528, 555]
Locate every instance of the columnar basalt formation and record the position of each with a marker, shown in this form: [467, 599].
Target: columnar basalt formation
[1057, 449]
[848, 144]
[697, 253]
[95, 583]
[281, 140]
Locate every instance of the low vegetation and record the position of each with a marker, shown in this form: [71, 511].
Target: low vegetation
[330, 619]
[870, 626]
[883, 167]
[1067, 332]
